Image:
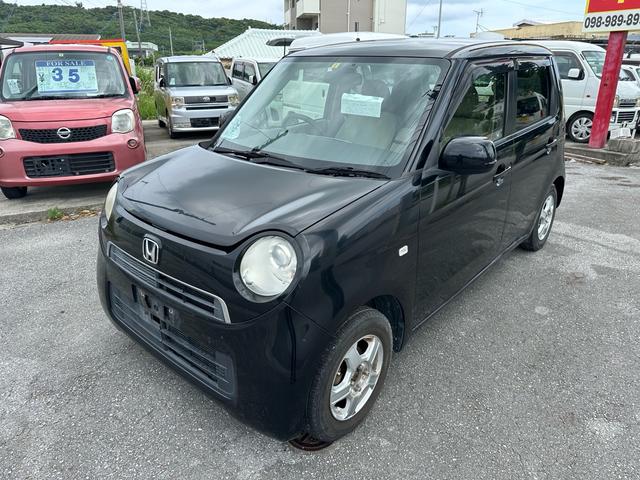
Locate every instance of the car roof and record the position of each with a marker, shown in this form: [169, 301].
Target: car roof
[189, 58]
[568, 45]
[313, 41]
[426, 48]
[62, 47]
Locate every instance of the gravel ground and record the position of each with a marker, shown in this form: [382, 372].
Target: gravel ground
[533, 372]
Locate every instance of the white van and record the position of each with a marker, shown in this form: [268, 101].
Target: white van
[580, 67]
[247, 72]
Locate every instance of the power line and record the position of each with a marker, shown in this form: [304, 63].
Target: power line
[419, 14]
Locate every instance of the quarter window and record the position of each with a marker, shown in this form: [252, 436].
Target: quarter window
[482, 110]
[237, 70]
[532, 93]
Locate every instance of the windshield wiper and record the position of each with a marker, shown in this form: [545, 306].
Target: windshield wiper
[270, 141]
[260, 157]
[45, 97]
[104, 95]
[348, 172]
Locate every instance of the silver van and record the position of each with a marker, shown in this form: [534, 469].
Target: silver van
[192, 93]
[247, 72]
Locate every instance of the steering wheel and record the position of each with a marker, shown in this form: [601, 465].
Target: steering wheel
[300, 116]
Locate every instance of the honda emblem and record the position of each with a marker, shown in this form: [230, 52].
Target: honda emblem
[150, 251]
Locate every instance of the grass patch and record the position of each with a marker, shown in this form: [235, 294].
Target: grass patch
[146, 100]
[54, 214]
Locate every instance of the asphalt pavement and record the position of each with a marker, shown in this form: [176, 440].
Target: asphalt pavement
[74, 198]
[532, 373]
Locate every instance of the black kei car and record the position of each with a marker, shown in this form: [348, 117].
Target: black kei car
[358, 189]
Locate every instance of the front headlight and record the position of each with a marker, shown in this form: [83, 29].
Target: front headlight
[616, 101]
[123, 121]
[234, 100]
[177, 102]
[269, 266]
[111, 200]
[638, 102]
[6, 129]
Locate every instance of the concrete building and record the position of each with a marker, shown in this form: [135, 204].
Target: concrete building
[529, 29]
[332, 16]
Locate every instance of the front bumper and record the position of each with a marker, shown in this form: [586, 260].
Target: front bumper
[621, 117]
[14, 171]
[195, 118]
[261, 369]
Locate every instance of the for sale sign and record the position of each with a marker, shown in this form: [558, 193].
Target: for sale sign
[612, 16]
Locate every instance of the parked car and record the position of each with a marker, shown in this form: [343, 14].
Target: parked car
[68, 115]
[580, 66]
[247, 72]
[191, 93]
[630, 73]
[280, 265]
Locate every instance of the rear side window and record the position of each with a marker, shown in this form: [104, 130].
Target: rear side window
[532, 93]
[237, 70]
[482, 110]
[249, 71]
[566, 62]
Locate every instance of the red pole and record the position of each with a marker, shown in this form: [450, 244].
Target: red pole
[608, 87]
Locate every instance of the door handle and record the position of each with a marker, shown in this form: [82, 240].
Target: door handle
[498, 178]
[549, 146]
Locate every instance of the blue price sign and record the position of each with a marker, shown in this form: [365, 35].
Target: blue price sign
[66, 76]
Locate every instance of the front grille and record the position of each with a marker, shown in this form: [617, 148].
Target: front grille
[198, 301]
[206, 99]
[206, 107]
[626, 117]
[82, 134]
[204, 122]
[627, 103]
[69, 165]
[213, 368]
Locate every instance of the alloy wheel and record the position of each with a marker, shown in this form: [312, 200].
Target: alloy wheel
[581, 128]
[546, 217]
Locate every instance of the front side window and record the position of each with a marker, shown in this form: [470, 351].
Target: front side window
[249, 71]
[58, 75]
[567, 62]
[482, 110]
[195, 74]
[532, 93]
[595, 59]
[318, 112]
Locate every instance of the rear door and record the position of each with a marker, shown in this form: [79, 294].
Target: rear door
[537, 129]
[462, 216]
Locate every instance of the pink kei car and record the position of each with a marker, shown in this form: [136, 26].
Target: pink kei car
[68, 115]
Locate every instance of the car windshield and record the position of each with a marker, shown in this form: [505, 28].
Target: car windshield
[361, 113]
[265, 68]
[195, 74]
[595, 59]
[48, 75]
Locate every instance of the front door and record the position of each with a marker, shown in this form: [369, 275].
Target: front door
[462, 216]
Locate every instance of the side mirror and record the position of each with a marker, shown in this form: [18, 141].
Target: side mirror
[253, 80]
[574, 74]
[229, 82]
[469, 156]
[136, 84]
[162, 83]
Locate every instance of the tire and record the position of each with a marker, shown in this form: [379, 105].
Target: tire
[161, 123]
[365, 330]
[547, 214]
[579, 127]
[172, 134]
[13, 193]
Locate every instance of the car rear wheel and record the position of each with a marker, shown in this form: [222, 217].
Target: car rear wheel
[14, 192]
[579, 128]
[352, 374]
[544, 222]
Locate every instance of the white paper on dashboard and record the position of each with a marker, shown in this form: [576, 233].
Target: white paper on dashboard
[361, 105]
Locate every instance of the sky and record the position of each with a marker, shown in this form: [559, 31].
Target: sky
[458, 16]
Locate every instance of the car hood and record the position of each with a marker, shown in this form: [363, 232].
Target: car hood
[201, 91]
[222, 201]
[63, 110]
[628, 90]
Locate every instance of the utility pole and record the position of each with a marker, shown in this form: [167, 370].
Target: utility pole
[135, 20]
[439, 19]
[121, 20]
[171, 41]
[479, 13]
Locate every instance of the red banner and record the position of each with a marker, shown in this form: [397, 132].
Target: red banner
[597, 6]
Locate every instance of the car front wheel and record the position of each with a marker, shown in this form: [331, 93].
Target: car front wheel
[13, 193]
[543, 223]
[351, 377]
[580, 126]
